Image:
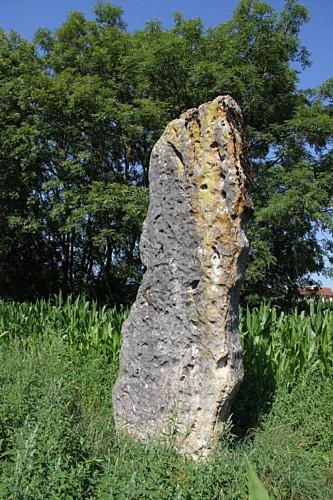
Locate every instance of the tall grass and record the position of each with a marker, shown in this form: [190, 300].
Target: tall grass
[58, 361]
[292, 344]
[279, 350]
[78, 322]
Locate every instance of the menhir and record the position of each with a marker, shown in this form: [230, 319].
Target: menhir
[181, 358]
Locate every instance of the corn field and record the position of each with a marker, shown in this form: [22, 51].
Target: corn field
[78, 322]
[289, 344]
[59, 359]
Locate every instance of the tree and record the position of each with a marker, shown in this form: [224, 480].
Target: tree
[88, 126]
[73, 92]
[24, 255]
[253, 57]
[82, 108]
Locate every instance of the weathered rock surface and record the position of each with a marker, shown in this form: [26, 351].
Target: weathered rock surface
[181, 359]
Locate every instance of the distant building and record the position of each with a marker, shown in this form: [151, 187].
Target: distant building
[315, 292]
[326, 293]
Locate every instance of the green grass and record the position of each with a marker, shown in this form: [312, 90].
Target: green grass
[58, 361]
[79, 323]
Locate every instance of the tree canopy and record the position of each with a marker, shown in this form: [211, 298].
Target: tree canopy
[81, 108]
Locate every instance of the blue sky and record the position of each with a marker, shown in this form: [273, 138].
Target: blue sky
[25, 16]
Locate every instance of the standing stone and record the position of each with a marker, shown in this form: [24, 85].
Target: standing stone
[181, 358]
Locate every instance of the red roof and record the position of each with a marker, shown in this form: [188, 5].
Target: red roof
[325, 292]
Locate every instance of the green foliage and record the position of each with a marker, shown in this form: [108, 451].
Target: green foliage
[255, 486]
[50, 415]
[77, 322]
[291, 344]
[289, 437]
[57, 438]
[280, 349]
[81, 109]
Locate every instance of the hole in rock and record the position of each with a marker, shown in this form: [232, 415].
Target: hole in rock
[222, 158]
[224, 194]
[222, 363]
[188, 368]
[194, 284]
[215, 250]
[203, 186]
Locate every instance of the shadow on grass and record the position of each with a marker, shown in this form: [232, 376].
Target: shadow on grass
[255, 396]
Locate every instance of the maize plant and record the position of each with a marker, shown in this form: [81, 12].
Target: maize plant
[290, 344]
[80, 323]
[274, 343]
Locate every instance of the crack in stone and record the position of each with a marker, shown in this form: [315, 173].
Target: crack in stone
[177, 152]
